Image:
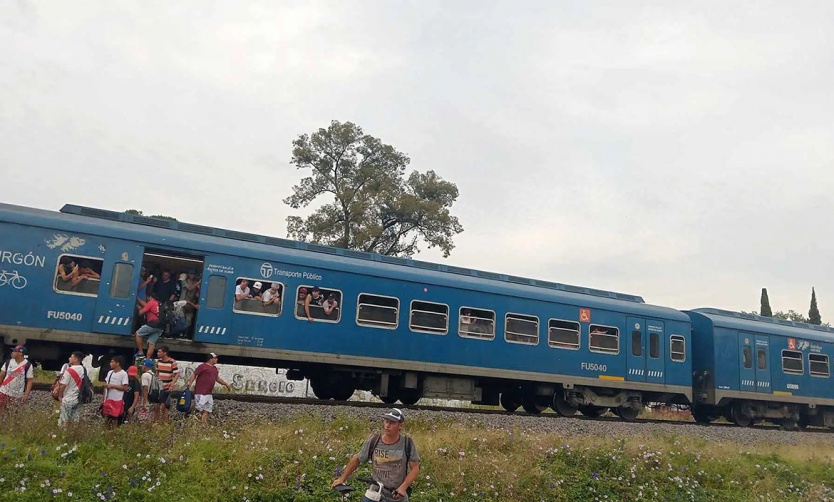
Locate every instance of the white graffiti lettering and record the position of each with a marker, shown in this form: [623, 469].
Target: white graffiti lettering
[29, 259]
[67, 316]
[13, 279]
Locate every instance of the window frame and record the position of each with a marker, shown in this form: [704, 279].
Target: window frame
[747, 346]
[560, 345]
[208, 291]
[639, 333]
[74, 293]
[427, 331]
[263, 281]
[672, 339]
[377, 325]
[827, 366]
[800, 359]
[604, 351]
[654, 336]
[468, 334]
[519, 318]
[309, 288]
[761, 350]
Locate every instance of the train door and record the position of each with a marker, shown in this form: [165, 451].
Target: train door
[636, 349]
[747, 362]
[116, 302]
[656, 362]
[216, 298]
[762, 364]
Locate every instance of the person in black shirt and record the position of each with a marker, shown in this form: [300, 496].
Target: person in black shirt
[131, 396]
[166, 289]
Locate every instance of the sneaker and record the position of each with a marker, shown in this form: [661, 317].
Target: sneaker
[138, 355]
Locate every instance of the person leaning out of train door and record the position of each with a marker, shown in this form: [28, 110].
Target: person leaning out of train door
[203, 379]
[16, 378]
[315, 299]
[153, 328]
[396, 463]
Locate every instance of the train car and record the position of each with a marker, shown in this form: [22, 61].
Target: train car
[403, 329]
[749, 368]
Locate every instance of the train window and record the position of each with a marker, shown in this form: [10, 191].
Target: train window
[792, 362]
[78, 275]
[476, 323]
[677, 348]
[654, 345]
[324, 304]
[818, 365]
[377, 311]
[120, 283]
[258, 297]
[428, 317]
[216, 292]
[604, 339]
[762, 359]
[747, 356]
[563, 334]
[520, 328]
[637, 343]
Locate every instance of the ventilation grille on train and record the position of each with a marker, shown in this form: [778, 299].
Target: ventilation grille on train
[286, 243]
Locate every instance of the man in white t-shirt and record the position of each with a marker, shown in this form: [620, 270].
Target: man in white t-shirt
[69, 389]
[147, 380]
[16, 378]
[114, 390]
[271, 295]
[242, 291]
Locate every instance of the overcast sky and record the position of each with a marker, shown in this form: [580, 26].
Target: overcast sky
[681, 151]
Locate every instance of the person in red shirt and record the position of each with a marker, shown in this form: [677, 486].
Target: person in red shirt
[205, 376]
[152, 329]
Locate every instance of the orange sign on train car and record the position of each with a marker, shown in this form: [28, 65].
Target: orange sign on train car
[585, 315]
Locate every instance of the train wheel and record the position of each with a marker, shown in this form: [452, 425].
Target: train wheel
[593, 411]
[739, 417]
[321, 388]
[530, 406]
[409, 396]
[701, 416]
[342, 391]
[804, 422]
[391, 398]
[789, 425]
[561, 406]
[628, 414]
[509, 402]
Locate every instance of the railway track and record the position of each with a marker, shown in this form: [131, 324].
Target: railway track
[261, 399]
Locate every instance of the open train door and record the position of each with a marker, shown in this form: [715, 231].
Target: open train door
[116, 302]
[213, 322]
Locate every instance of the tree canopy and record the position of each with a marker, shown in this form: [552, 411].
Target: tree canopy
[371, 205]
[814, 313]
[765, 304]
[157, 216]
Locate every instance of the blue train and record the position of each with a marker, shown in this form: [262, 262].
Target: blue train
[402, 329]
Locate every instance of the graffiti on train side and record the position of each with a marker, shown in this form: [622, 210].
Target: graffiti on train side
[261, 381]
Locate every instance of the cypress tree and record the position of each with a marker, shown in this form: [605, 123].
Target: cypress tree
[814, 313]
[764, 310]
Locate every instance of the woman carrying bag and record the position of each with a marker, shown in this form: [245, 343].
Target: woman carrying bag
[113, 406]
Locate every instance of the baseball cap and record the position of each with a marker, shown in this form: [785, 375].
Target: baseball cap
[148, 363]
[21, 349]
[395, 415]
[258, 284]
[132, 371]
[211, 355]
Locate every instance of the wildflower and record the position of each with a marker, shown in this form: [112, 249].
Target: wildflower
[595, 475]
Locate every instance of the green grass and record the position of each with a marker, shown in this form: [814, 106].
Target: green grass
[295, 459]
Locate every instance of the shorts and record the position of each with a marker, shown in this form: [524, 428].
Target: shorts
[165, 398]
[69, 413]
[152, 333]
[7, 401]
[204, 402]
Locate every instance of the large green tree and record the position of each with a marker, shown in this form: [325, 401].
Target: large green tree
[370, 204]
[765, 305]
[814, 313]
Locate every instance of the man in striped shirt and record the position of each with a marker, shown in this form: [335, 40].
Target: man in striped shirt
[168, 374]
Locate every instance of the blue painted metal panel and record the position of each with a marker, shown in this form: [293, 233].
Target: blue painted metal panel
[114, 314]
[636, 330]
[763, 363]
[655, 366]
[747, 362]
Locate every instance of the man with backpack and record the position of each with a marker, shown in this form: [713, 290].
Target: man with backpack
[396, 463]
[16, 379]
[153, 329]
[150, 388]
[70, 387]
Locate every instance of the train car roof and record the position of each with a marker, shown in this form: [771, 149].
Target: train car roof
[187, 236]
[767, 325]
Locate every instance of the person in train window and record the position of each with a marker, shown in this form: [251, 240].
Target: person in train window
[466, 321]
[330, 305]
[256, 290]
[85, 271]
[190, 287]
[271, 295]
[166, 289]
[301, 303]
[142, 292]
[314, 299]
[242, 290]
[68, 271]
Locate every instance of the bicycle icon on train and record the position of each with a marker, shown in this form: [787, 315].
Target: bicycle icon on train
[13, 279]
